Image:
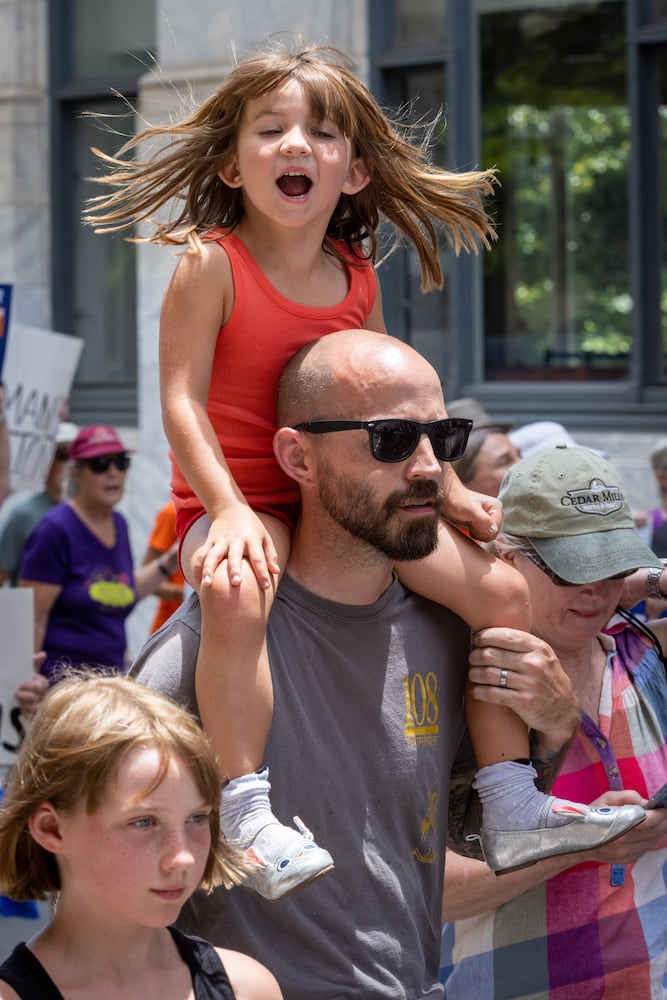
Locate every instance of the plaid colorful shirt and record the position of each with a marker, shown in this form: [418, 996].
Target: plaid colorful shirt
[595, 930]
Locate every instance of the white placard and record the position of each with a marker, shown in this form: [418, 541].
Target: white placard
[38, 373]
[16, 665]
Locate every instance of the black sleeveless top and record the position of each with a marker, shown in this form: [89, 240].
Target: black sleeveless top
[27, 976]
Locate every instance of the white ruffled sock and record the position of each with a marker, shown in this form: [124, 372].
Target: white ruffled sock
[246, 806]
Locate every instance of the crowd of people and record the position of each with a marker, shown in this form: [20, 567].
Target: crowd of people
[406, 623]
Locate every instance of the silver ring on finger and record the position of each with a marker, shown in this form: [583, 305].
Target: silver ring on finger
[502, 683]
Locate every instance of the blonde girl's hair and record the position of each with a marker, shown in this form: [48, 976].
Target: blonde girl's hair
[406, 190]
[80, 734]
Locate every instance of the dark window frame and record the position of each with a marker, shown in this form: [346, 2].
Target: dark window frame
[112, 402]
[638, 402]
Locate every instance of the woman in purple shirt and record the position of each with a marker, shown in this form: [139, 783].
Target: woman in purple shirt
[78, 562]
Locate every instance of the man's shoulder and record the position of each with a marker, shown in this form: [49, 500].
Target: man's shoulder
[167, 660]
[412, 607]
[395, 601]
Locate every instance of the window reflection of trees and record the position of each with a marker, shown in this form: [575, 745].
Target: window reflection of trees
[556, 124]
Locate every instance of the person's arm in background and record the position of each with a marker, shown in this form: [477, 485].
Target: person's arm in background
[29, 694]
[45, 596]
[150, 576]
[161, 542]
[169, 590]
[646, 585]
[4, 449]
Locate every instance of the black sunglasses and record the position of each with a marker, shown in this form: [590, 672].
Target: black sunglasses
[558, 580]
[102, 463]
[395, 440]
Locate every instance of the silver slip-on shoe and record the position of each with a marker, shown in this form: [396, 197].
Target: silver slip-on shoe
[507, 851]
[283, 860]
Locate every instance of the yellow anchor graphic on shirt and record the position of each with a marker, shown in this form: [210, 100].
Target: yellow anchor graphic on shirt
[426, 851]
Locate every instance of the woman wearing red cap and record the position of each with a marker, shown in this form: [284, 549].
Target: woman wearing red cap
[78, 562]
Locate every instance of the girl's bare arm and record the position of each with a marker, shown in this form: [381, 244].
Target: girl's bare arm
[197, 303]
[464, 577]
[194, 309]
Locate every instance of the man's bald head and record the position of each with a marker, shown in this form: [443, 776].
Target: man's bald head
[332, 377]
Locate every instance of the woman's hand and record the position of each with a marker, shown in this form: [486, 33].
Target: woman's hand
[532, 683]
[648, 836]
[234, 536]
[30, 693]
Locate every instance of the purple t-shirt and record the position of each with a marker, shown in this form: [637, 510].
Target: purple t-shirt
[86, 625]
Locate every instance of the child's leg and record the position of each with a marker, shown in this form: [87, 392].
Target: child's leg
[235, 699]
[521, 823]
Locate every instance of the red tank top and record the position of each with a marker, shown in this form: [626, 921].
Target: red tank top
[264, 331]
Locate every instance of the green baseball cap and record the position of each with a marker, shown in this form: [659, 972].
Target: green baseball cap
[569, 503]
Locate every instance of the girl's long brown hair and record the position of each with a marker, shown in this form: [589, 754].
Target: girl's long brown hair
[406, 190]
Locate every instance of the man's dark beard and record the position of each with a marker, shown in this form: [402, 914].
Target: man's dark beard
[351, 505]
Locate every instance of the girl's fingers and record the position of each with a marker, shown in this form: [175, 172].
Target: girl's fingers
[271, 557]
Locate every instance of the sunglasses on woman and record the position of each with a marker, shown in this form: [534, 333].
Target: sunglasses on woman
[395, 440]
[558, 580]
[102, 463]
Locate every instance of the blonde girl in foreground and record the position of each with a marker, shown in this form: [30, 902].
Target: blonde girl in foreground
[280, 182]
[113, 808]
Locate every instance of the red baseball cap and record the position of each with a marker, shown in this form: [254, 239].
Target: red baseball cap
[98, 439]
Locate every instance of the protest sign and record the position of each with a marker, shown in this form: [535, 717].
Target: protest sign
[16, 629]
[5, 305]
[38, 374]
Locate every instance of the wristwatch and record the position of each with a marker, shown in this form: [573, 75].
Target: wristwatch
[166, 572]
[653, 584]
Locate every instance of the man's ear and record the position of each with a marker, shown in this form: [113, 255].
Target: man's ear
[294, 455]
[44, 827]
[230, 175]
[358, 176]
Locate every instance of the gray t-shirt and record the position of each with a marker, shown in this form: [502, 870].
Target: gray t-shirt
[367, 723]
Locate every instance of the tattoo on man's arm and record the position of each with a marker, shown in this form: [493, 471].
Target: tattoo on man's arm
[546, 762]
[465, 817]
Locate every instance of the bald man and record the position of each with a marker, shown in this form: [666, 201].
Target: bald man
[368, 678]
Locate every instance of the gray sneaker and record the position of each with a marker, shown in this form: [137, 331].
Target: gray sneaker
[284, 860]
[591, 827]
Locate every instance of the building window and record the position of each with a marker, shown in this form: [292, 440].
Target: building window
[662, 208]
[421, 320]
[568, 100]
[555, 121]
[418, 22]
[98, 51]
